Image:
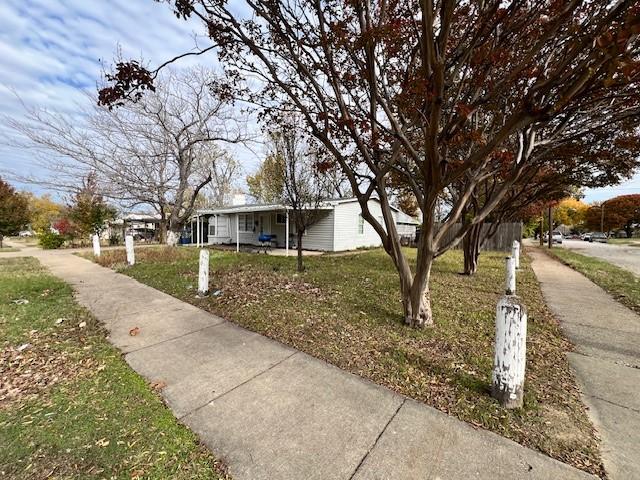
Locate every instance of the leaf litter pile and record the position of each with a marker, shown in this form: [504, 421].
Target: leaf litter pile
[347, 310]
[70, 407]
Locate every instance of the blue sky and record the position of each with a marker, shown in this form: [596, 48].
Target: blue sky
[49, 49]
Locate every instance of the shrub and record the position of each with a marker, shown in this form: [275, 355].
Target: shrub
[51, 240]
[114, 239]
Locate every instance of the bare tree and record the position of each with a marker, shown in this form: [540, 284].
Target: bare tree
[428, 91]
[160, 152]
[225, 171]
[304, 186]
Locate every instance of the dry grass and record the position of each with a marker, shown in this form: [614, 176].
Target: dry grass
[347, 311]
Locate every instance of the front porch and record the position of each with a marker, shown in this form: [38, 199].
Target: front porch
[255, 227]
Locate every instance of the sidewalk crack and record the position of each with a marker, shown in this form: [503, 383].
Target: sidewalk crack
[614, 403]
[375, 443]
[237, 386]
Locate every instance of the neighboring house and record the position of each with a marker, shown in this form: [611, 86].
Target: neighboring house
[141, 226]
[340, 226]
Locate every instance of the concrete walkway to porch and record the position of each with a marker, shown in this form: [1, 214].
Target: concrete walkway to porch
[272, 412]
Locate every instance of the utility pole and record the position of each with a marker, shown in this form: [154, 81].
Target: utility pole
[550, 243]
[602, 217]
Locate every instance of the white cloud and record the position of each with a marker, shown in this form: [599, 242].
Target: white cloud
[50, 50]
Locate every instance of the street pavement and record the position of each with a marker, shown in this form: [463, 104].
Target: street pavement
[624, 256]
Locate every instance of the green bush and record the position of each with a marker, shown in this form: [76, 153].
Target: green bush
[50, 240]
[114, 239]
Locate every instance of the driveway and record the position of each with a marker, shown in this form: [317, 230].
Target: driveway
[624, 256]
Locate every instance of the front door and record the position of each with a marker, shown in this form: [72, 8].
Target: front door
[265, 223]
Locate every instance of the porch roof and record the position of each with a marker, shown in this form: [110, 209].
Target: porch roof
[251, 209]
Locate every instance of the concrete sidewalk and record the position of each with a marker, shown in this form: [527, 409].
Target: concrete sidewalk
[272, 412]
[607, 358]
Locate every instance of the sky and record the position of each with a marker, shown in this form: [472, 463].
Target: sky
[51, 50]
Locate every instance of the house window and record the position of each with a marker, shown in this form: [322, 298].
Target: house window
[212, 227]
[360, 224]
[281, 219]
[245, 222]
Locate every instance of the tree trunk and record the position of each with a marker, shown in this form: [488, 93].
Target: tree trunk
[1, 239]
[416, 297]
[471, 249]
[299, 248]
[628, 228]
[550, 239]
[162, 227]
[541, 230]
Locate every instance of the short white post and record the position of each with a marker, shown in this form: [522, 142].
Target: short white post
[96, 245]
[510, 352]
[510, 284]
[131, 256]
[203, 276]
[515, 253]
[172, 238]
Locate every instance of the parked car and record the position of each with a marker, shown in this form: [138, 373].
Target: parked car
[586, 236]
[25, 233]
[556, 237]
[598, 237]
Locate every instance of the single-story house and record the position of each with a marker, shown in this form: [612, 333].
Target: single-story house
[340, 226]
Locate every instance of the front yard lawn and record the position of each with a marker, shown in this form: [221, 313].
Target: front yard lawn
[621, 284]
[346, 310]
[70, 407]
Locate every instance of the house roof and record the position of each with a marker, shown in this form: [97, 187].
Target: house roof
[330, 204]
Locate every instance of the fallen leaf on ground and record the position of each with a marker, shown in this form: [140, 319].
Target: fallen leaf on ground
[82, 324]
[103, 442]
[158, 385]
[134, 331]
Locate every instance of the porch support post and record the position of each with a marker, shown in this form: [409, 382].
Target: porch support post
[198, 229]
[286, 234]
[191, 230]
[237, 232]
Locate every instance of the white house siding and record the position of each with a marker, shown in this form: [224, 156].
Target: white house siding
[319, 236]
[223, 234]
[346, 236]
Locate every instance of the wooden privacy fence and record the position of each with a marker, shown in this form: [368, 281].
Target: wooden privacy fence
[502, 240]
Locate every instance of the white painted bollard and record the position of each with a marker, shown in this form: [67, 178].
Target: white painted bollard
[172, 238]
[515, 253]
[510, 284]
[96, 245]
[203, 276]
[131, 255]
[510, 353]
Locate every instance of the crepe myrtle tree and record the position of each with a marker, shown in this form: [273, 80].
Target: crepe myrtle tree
[430, 91]
[604, 151]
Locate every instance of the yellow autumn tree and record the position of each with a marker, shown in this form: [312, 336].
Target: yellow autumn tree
[571, 212]
[43, 211]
